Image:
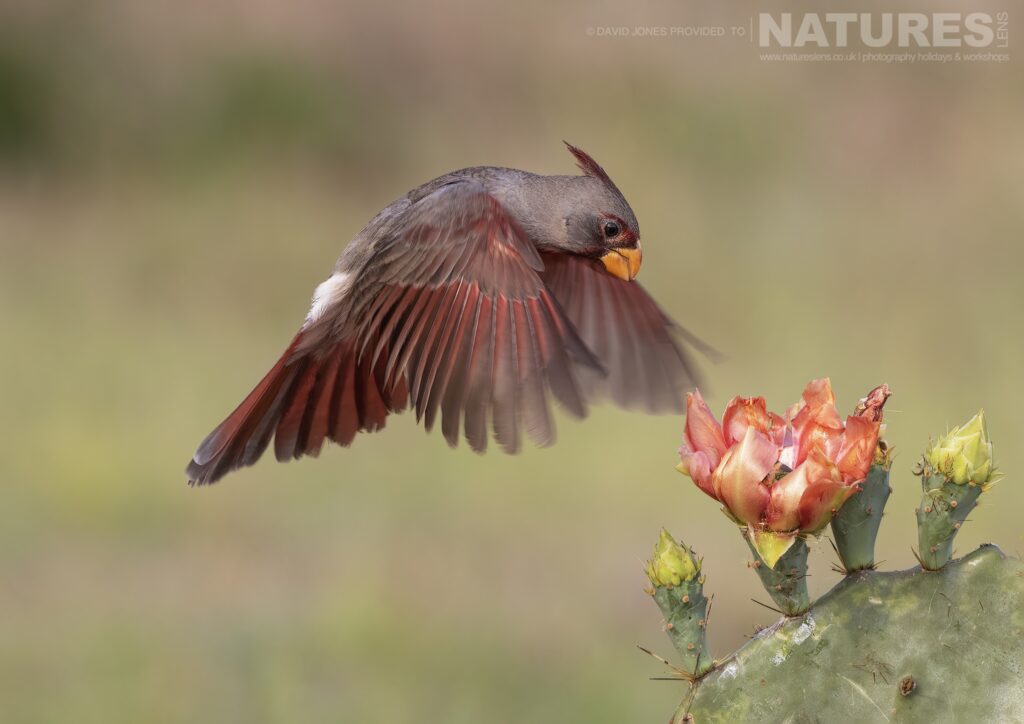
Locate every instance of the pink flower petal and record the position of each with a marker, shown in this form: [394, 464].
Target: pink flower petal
[827, 439]
[819, 392]
[698, 467]
[787, 508]
[744, 412]
[782, 514]
[858, 449]
[820, 502]
[703, 432]
[816, 422]
[738, 478]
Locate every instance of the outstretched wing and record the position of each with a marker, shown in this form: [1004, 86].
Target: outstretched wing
[634, 339]
[449, 316]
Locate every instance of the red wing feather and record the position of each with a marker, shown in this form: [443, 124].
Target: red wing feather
[449, 316]
[300, 402]
[632, 337]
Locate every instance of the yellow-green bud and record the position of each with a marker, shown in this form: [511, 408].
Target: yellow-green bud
[672, 563]
[964, 454]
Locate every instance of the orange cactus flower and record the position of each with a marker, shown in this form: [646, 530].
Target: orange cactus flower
[779, 476]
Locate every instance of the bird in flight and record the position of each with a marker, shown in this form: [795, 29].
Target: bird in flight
[472, 299]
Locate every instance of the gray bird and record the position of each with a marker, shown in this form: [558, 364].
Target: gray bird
[476, 295]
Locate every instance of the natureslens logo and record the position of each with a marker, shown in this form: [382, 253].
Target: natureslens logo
[843, 37]
[883, 30]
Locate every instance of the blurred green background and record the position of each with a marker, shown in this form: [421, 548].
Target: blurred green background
[175, 178]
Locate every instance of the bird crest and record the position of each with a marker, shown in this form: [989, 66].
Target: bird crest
[590, 167]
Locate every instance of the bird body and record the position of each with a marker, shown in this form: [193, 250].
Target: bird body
[472, 298]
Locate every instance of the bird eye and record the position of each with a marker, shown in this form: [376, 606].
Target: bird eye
[611, 229]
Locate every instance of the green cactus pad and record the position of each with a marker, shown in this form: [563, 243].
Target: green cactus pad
[944, 507]
[855, 526]
[907, 646]
[786, 583]
[685, 610]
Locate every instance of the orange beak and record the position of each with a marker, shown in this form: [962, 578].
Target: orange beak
[623, 263]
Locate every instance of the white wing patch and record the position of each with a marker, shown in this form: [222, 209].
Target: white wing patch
[327, 293]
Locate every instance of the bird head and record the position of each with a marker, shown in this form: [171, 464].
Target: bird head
[601, 224]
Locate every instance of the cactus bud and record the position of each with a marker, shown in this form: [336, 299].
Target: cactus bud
[679, 592]
[672, 563]
[956, 469]
[964, 454]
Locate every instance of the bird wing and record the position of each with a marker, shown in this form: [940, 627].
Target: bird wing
[450, 315]
[636, 342]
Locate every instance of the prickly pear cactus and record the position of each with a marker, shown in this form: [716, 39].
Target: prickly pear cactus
[907, 646]
[941, 642]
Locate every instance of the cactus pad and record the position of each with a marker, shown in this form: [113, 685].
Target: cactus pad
[906, 646]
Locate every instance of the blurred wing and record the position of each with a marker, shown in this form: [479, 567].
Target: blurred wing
[449, 316]
[635, 341]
